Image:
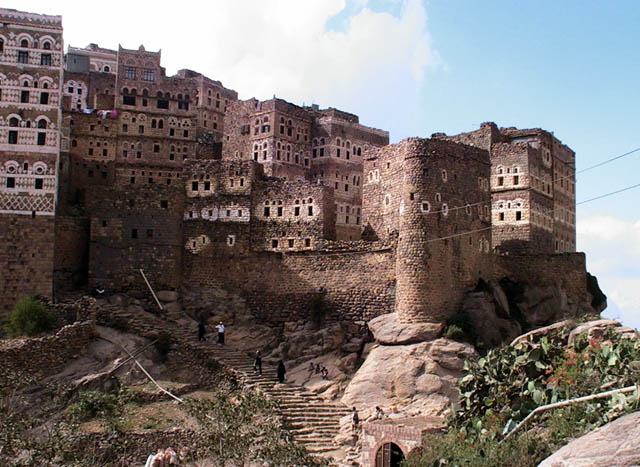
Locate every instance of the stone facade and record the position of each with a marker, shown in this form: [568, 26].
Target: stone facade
[30, 117]
[434, 195]
[533, 188]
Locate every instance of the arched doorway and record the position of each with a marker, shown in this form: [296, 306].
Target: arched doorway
[389, 455]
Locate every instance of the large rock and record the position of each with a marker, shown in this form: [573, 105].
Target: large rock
[388, 331]
[414, 379]
[491, 329]
[614, 444]
[167, 296]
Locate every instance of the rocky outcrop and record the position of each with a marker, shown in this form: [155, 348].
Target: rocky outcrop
[388, 331]
[409, 380]
[614, 444]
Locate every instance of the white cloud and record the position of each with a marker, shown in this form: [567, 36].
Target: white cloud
[374, 65]
[613, 254]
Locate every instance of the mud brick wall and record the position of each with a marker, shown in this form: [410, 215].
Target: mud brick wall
[71, 257]
[359, 284]
[567, 270]
[26, 256]
[38, 356]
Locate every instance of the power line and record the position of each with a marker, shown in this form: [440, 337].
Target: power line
[609, 194]
[490, 227]
[609, 160]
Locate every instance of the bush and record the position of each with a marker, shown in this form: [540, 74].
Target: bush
[455, 333]
[505, 385]
[92, 404]
[30, 317]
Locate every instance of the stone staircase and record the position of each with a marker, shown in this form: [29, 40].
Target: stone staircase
[312, 421]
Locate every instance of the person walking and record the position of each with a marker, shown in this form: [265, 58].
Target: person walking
[355, 419]
[220, 329]
[257, 363]
[202, 330]
[281, 371]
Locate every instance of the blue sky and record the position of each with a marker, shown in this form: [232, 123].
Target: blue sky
[415, 67]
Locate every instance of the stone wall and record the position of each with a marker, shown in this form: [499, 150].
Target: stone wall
[26, 258]
[357, 284]
[132, 228]
[39, 356]
[71, 257]
[567, 270]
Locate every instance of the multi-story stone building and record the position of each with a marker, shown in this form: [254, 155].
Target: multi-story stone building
[433, 195]
[31, 60]
[533, 188]
[307, 143]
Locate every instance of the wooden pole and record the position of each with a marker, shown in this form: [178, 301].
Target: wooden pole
[151, 289]
[577, 400]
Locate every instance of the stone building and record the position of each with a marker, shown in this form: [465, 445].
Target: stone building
[533, 188]
[434, 196]
[31, 63]
[307, 143]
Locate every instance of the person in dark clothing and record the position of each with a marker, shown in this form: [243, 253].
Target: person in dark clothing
[257, 364]
[355, 419]
[202, 330]
[281, 371]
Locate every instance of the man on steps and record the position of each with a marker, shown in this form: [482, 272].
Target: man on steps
[257, 363]
[220, 329]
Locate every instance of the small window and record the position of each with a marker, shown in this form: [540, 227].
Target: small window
[274, 243]
[231, 240]
[501, 216]
[296, 211]
[290, 242]
[280, 211]
[134, 233]
[310, 210]
[11, 182]
[516, 180]
[444, 175]
[518, 215]
[194, 186]
[42, 138]
[45, 59]
[164, 204]
[307, 242]
[500, 181]
[267, 211]
[445, 209]
[207, 186]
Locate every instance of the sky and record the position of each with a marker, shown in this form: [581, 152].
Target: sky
[415, 67]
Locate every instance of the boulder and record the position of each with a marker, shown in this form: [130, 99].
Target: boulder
[412, 380]
[388, 331]
[614, 444]
[172, 307]
[491, 329]
[167, 296]
[536, 333]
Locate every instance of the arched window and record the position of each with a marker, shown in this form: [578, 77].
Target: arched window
[13, 121]
[106, 68]
[46, 45]
[24, 43]
[42, 123]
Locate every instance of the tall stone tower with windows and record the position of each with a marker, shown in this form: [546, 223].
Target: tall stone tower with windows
[31, 64]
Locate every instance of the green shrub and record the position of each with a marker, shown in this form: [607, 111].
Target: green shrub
[30, 317]
[92, 404]
[455, 333]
